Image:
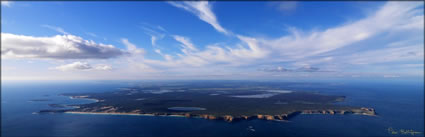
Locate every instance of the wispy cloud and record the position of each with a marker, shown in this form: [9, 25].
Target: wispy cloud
[406, 53]
[413, 65]
[155, 31]
[301, 69]
[133, 49]
[305, 47]
[95, 35]
[391, 76]
[185, 43]
[57, 29]
[202, 9]
[301, 45]
[302, 51]
[84, 66]
[91, 34]
[165, 56]
[284, 6]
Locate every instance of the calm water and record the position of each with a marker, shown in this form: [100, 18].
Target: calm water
[399, 104]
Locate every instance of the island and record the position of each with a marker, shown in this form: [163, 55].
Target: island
[214, 101]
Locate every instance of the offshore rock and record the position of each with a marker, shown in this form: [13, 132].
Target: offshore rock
[211, 117]
[244, 117]
[279, 117]
[260, 116]
[269, 117]
[228, 118]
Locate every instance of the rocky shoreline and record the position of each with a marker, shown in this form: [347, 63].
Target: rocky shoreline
[111, 110]
[227, 118]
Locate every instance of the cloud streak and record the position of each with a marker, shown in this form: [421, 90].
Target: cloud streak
[131, 48]
[81, 66]
[185, 43]
[301, 69]
[202, 9]
[155, 31]
[390, 17]
[305, 48]
[57, 29]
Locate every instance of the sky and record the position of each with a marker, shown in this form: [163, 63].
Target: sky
[211, 40]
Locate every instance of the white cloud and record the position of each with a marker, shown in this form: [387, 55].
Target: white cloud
[202, 9]
[155, 31]
[305, 68]
[300, 45]
[102, 67]
[284, 6]
[305, 48]
[132, 48]
[91, 34]
[297, 50]
[55, 47]
[160, 28]
[57, 29]
[82, 66]
[153, 40]
[74, 66]
[6, 3]
[212, 54]
[412, 65]
[416, 22]
[391, 76]
[166, 56]
[244, 53]
[186, 43]
[254, 49]
[406, 53]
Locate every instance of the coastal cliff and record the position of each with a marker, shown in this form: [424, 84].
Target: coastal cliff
[227, 118]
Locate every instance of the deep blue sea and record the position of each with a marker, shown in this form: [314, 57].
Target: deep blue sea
[399, 104]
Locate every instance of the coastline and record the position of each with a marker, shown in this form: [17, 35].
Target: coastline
[284, 116]
[115, 113]
[229, 118]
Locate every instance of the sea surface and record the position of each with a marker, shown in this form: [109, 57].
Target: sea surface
[398, 103]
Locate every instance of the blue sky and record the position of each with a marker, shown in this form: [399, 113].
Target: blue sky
[211, 40]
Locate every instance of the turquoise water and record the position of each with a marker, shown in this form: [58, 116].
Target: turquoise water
[399, 104]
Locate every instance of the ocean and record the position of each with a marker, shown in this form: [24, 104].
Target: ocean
[399, 105]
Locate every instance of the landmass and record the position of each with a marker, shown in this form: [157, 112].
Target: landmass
[214, 101]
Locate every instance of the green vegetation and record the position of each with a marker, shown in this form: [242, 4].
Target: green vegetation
[214, 99]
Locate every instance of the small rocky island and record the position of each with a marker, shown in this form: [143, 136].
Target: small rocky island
[214, 101]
